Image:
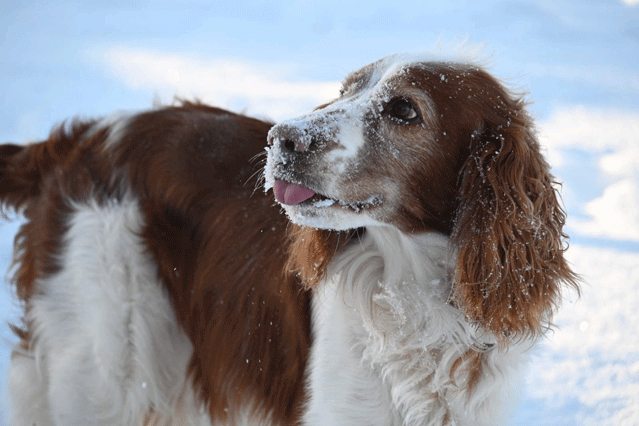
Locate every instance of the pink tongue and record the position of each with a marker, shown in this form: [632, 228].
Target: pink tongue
[291, 193]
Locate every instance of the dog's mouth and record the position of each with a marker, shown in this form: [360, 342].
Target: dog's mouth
[292, 194]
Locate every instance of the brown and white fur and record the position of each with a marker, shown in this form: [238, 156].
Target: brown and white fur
[424, 258]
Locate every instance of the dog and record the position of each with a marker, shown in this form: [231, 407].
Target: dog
[420, 257]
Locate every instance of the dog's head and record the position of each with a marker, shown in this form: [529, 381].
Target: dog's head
[434, 146]
[390, 149]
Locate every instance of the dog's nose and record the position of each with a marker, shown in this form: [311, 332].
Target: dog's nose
[292, 146]
[290, 139]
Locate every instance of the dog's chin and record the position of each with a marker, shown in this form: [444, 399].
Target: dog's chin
[329, 215]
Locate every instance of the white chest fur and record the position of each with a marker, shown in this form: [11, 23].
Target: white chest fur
[385, 341]
[344, 391]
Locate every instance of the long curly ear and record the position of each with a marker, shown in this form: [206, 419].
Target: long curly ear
[508, 229]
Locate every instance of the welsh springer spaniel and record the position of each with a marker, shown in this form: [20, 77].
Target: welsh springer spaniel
[424, 258]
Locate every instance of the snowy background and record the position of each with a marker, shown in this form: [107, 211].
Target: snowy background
[579, 61]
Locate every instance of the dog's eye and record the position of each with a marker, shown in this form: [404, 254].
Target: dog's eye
[401, 109]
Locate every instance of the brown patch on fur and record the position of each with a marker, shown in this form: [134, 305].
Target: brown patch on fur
[447, 420]
[248, 321]
[473, 367]
[312, 250]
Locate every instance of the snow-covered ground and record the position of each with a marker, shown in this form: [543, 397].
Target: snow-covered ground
[586, 373]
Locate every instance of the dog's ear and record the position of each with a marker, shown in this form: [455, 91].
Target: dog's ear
[508, 229]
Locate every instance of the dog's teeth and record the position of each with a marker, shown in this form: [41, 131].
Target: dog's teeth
[324, 203]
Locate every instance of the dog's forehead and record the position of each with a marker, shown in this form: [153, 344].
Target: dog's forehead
[382, 72]
[381, 78]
